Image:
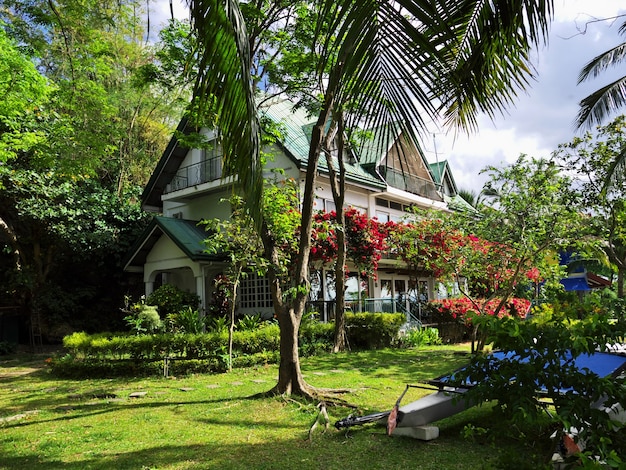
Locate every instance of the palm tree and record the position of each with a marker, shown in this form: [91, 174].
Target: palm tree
[607, 99]
[601, 103]
[405, 62]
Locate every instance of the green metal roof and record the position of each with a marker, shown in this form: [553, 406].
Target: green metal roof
[297, 126]
[437, 170]
[186, 234]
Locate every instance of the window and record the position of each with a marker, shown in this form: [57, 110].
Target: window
[393, 205]
[255, 293]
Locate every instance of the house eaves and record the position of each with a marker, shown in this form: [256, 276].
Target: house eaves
[441, 171]
[165, 170]
[186, 235]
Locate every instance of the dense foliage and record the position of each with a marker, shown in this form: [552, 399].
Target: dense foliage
[82, 124]
[542, 350]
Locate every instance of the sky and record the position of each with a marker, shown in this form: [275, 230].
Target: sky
[542, 116]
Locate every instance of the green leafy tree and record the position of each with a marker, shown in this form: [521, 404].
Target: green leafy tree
[81, 129]
[590, 159]
[25, 95]
[512, 241]
[541, 352]
[449, 57]
[236, 239]
[56, 228]
[508, 243]
[110, 122]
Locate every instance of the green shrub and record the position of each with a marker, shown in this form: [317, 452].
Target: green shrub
[134, 354]
[249, 322]
[316, 338]
[7, 348]
[77, 342]
[143, 319]
[187, 320]
[217, 324]
[170, 299]
[418, 337]
[544, 347]
[373, 330]
[259, 340]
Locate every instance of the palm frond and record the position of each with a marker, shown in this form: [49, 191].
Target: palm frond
[488, 60]
[616, 172]
[469, 196]
[601, 103]
[602, 62]
[224, 78]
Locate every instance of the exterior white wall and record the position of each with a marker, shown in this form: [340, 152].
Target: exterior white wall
[165, 256]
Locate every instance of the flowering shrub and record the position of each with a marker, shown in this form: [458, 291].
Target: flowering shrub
[365, 239]
[427, 245]
[458, 309]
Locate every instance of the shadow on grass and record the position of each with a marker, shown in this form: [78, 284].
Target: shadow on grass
[367, 448]
[83, 410]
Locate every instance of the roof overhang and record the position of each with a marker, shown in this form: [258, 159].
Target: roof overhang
[165, 170]
[186, 235]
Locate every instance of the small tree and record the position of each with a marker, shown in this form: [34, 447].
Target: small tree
[240, 243]
[516, 236]
[507, 243]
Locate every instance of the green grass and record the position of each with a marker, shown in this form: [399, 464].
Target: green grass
[211, 421]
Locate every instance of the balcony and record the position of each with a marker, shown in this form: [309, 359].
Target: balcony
[409, 183]
[198, 173]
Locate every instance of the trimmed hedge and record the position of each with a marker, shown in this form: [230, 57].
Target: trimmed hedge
[373, 330]
[107, 354]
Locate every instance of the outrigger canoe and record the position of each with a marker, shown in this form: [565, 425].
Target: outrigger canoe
[448, 397]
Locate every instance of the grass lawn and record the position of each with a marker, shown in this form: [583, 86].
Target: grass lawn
[211, 421]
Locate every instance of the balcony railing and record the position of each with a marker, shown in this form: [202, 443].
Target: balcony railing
[409, 183]
[198, 173]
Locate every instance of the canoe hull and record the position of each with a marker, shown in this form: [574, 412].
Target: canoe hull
[431, 408]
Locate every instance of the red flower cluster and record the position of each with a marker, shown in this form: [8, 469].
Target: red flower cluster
[460, 307]
[365, 239]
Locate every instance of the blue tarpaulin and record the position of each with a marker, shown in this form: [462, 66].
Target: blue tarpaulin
[575, 283]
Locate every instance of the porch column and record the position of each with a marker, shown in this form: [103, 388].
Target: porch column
[201, 292]
[148, 287]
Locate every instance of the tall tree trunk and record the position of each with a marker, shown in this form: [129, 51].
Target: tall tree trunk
[341, 340]
[289, 313]
[338, 187]
[231, 329]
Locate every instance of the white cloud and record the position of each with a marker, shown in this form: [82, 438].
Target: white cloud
[543, 116]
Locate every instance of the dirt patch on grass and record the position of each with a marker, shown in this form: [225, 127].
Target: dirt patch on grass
[24, 363]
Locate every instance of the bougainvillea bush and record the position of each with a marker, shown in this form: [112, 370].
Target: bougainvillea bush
[454, 316]
[365, 237]
[460, 309]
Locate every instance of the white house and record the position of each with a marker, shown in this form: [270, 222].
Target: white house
[187, 186]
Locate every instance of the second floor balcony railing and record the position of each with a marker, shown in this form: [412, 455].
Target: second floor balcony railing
[198, 173]
[410, 183]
